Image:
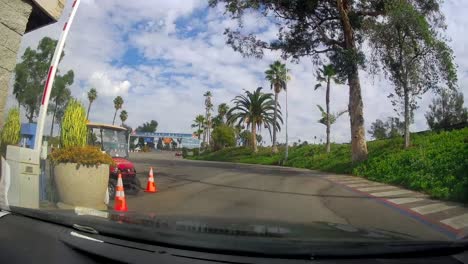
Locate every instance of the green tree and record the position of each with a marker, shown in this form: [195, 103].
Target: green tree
[255, 109]
[199, 123]
[447, 110]
[408, 46]
[335, 29]
[148, 127]
[118, 102]
[92, 96]
[277, 75]
[378, 129]
[327, 120]
[31, 75]
[223, 109]
[123, 116]
[326, 74]
[60, 95]
[223, 136]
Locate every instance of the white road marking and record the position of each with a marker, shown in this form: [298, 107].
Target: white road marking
[368, 184]
[376, 188]
[457, 222]
[432, 208]
[340, 177]
[405, 200]
[391, 193]
[353, 181]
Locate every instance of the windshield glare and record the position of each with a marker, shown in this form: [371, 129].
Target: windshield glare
[280, 121]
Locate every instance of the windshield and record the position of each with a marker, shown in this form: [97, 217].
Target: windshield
[333, 121]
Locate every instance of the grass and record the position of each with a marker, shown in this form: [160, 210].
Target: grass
[436, 163]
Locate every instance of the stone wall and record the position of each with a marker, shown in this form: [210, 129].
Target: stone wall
[14, 16]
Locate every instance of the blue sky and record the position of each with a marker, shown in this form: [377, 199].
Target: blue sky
[161, 56]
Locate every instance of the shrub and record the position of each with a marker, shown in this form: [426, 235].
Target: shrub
[87, 155]
[10, 134]
[145, 148]
[223, 136]
[74, 130]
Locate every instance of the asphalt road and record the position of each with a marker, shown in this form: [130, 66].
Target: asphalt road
[256, 193]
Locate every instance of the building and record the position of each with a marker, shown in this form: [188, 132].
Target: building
[18, 17]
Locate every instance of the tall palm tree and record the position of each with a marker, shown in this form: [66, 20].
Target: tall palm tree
[326, 75]
[277, 75]
[118, 102]
[199, 123]
[92, 95]
[223, 108]
[123, 116]
[208, 108]
[255, 110]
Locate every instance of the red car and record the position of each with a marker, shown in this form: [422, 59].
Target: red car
[113, 140]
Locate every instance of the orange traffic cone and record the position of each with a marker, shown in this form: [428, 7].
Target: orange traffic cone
[120, 204]
[151, 185]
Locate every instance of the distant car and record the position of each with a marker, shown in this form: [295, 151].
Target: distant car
[178, 154]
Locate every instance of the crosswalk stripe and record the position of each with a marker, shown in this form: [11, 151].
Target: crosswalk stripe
[339, 177]
[353, 181]
[391, 193]
[376, 188]
[405, 200]
[432, 208]
[457, 222]
[368, 184]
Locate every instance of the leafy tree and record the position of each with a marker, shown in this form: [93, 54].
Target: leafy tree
[393, 127]
[92, 96]
[447, 110]
[60, 95]
[148, 127]
[336, 29]
[254, 109]
[378, 129]
[327, 120]
[199, 123]
[412, 54]
[326, 74]
[31, 75]
[277, 75]
[123, 116]
[223, 109]
[245, 138]
[118, 102]
[223, 136]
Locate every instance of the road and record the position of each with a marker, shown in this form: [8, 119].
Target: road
[227, 190]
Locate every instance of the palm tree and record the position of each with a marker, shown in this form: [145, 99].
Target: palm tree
[277, 75]
[118, 102]
[199, 123]
[92, 95]
[208, 108]
[255, 110]
[329, 119]
[222, 111]
[123, 116]
[327, 74]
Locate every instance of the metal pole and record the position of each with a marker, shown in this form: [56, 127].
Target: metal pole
[287, 143]
[51, 76]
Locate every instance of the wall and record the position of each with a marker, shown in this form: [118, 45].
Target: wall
[14, 16]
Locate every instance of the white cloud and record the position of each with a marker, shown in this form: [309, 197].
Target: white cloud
[106, 86]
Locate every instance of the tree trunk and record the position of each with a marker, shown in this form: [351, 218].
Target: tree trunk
[89, 108]
[274, 148]
[53, 120]
[115, 114]
[407, 118]
[327, 102]
[355, 107]
[254, 137]
[30, 116]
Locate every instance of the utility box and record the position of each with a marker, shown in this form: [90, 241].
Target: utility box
[24, 177]
[28, 135]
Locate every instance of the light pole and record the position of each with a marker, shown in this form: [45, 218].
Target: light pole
[287, 146]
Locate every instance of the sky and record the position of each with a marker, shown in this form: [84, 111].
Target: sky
[161, 56]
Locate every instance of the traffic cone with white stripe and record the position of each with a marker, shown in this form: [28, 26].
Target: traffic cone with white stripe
[151, 185]
[120, 204]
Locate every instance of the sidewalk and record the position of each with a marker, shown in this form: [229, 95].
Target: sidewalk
[450, 217]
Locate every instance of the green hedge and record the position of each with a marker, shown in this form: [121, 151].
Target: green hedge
[436, 163]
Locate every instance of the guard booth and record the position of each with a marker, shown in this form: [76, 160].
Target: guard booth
[28, 135]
